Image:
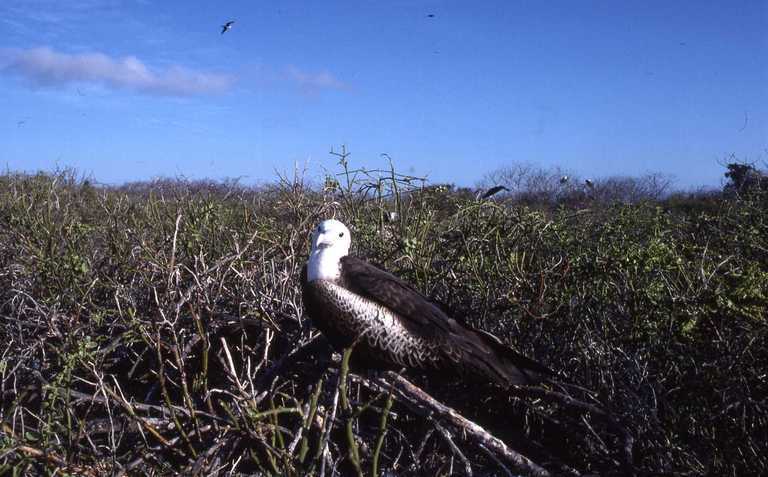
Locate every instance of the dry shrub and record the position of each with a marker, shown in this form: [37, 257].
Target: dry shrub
[158, 328]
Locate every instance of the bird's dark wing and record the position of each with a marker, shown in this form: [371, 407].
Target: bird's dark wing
[419, 314]
[477, 348]
[493, 191]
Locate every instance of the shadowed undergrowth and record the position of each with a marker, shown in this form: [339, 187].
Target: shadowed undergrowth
[159, 329]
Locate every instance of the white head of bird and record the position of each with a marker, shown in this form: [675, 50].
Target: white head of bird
[330, 241]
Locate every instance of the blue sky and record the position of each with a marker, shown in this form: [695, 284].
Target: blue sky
[131, 89]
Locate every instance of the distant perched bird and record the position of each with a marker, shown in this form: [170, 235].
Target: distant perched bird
[227, 26]
[564, 179]
[392, 325]
[493, 191]
[589, 184]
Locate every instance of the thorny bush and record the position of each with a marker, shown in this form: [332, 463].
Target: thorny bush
[159, 329]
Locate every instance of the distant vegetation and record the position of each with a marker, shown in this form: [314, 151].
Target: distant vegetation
[157, 327]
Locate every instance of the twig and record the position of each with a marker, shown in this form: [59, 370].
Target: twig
[454, 448]
[322, 448]
[425, 405]
[573, 403]
[354, 453]
[493, 457]
[382, 432]
[51, 458]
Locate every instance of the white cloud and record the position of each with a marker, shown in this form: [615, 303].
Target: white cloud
[46, 67]
[314, 81]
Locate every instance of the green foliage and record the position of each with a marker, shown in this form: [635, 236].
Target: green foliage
[160, 328]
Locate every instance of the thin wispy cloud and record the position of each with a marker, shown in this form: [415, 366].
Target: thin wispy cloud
[53, 11]
[46, 20]
[48, 68]
[313, 82]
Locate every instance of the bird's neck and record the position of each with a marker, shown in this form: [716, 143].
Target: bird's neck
[324, 264]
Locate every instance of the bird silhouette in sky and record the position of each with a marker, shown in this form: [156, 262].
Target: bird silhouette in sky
[227, 26]
[493, 191]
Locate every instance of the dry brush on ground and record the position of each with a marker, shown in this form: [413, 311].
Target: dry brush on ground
[158, 329]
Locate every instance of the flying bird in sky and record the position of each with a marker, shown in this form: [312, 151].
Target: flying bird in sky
[493, 191]
[227, 26]
[392, 325]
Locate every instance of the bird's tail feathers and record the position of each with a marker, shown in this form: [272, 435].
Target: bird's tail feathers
[513, 367]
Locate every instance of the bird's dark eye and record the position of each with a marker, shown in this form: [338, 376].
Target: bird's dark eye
[341, 234]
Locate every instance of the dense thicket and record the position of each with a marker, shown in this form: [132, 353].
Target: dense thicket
[158, 328]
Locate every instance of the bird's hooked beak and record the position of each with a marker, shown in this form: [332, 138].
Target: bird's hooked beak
[322, 239]
[321, 244]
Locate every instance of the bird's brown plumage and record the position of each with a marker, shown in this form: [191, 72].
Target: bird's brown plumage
[393, 325]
